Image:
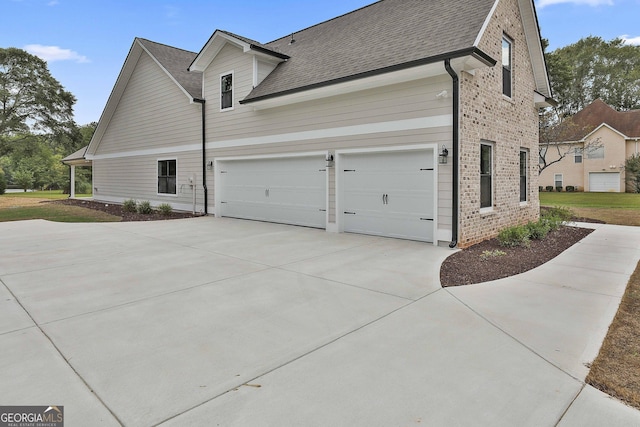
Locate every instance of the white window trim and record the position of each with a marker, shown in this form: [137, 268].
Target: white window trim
[233, 90]
[555, 180]
[488, 209]
[164, 159]
[578, 152]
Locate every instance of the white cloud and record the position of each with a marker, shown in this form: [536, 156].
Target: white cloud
[543, 3]
[54, 53]
[631, 40]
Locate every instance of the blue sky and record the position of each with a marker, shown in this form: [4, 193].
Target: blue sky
[85, 42]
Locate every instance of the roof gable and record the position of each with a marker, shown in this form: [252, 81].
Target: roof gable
[170, 60]
[591, 117]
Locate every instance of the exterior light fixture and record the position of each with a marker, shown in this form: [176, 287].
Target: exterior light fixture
[442, 157]
[329, 160]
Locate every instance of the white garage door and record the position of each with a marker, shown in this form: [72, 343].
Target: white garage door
[388, 194]
[286, 190]
[604, 181]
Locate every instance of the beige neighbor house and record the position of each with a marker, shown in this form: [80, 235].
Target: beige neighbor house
[610, 137]
[412, 119]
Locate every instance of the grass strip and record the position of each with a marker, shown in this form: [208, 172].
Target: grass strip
[55, 212]
[616, 370]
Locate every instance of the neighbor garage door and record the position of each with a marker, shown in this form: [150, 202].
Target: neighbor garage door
[388, 194]
[604, 181]
[286, 190]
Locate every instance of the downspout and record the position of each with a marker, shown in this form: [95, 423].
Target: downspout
[204, 156]
[456, 142]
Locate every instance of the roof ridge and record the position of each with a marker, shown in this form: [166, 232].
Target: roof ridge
[324, 22]
[165, 45]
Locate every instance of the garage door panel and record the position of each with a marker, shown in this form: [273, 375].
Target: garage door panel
[289, 190]
[604, 181]
[389, 194]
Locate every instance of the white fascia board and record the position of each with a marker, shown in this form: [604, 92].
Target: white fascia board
[534, 44]
[485, 24]
[590, 134]
[213, 47]
[409, 74]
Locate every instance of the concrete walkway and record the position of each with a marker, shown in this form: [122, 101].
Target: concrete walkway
[211, 321]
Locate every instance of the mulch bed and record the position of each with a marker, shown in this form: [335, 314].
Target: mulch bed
[468, 266]
[115, 209]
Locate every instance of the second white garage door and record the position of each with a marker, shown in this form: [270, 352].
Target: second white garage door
[604, 181]
[288, 190]
[388, 194]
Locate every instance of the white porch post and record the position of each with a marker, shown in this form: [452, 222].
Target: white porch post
[72, 188]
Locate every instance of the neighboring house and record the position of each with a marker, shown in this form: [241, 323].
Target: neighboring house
[343, 126]
[597, 140]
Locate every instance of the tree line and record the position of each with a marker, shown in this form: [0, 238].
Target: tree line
[37, 129]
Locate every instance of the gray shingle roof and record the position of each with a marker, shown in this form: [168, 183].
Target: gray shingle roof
[383, 35]
[176, 61]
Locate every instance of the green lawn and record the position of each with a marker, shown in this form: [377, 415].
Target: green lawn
[612, 208]
[54, 194]
[55, 212]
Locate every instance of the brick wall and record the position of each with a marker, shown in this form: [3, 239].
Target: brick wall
[510, 124]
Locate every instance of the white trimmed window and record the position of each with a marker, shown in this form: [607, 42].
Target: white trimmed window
[226, 91]
[507, 66]
[524, 174]
[557, 180]
[577, 155]
[486, 175]
[167, 176]
[595, 152]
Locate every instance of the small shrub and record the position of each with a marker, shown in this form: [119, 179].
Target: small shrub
[549, 188]
[130, 205]
[559, 189]
[514, 236]
[538, 230]
[491, 254]
[145, 208]
[570, 189]
[563, 213]
[3, 183]
[540, 189]
[165, 209]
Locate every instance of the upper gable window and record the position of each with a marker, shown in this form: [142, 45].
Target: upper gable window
[507, 66]
[226, 91]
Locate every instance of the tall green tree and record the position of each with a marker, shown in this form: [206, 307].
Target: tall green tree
[593, 68]
[31, 99]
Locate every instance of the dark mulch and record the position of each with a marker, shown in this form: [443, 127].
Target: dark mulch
[115, 209]
[469, 266]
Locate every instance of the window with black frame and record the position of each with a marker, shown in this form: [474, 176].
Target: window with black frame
[167, 176]
[486, 175]
[523, 175]
[507, 67]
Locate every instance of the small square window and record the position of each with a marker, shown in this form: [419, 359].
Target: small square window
[577, 155]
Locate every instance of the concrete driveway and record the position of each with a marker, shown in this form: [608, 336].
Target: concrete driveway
[211, 321]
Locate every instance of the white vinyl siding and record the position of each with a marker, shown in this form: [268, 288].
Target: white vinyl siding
[153, 112]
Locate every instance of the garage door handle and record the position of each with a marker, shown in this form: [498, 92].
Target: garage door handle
[426, 219]
[349, 213]
[349, 170]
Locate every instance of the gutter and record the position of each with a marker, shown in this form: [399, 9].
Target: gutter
[204, 156]
[456, 143]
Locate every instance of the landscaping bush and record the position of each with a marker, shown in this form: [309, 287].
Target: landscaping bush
[570, 189]
[549, 188]
[130, 205]
[538, 230]
[559, 189]
[540, 188]
[554, 217]
[165, 209]
[145, 208]
[514, 236]
[3, 183]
